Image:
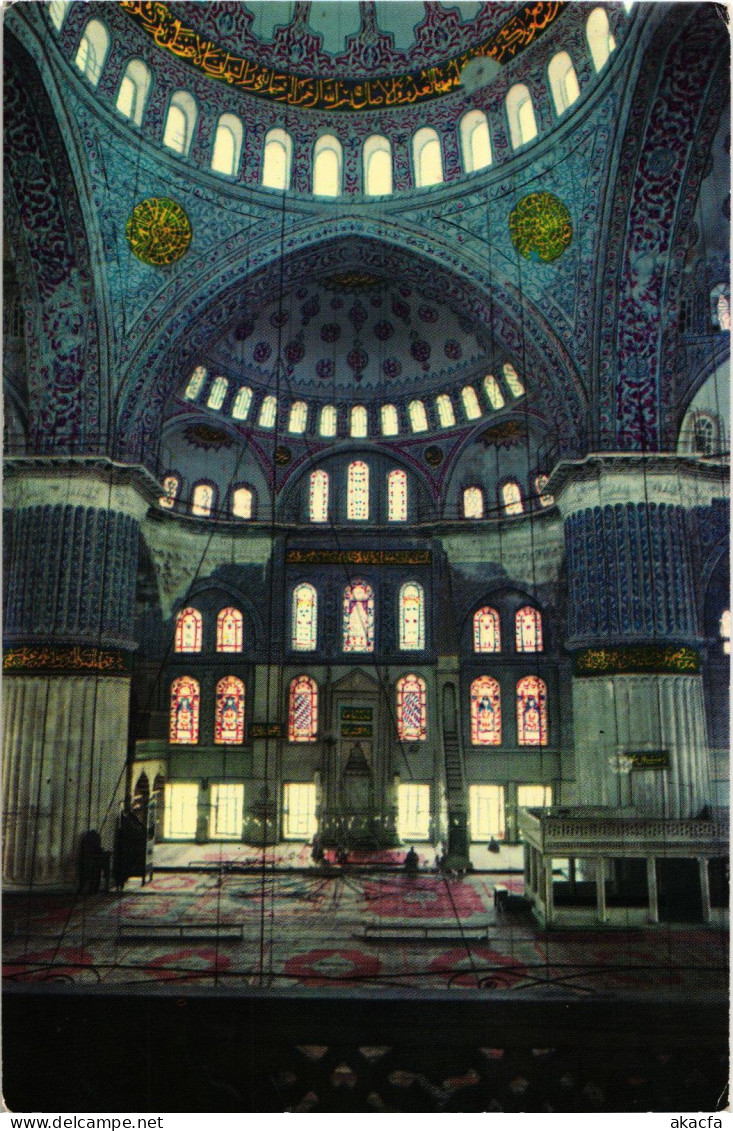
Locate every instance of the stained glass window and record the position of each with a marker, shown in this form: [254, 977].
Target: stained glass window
[486, 631]
[318, 497]
[358, 421]
[277, 159]
[493, 392]
[515, 386]
[397, 496]
[329, 420]
[390, 420]
[188, 631]
[473, 502]
[180, 121]
[520, 112]
[531, 711]
[184, 720]
[242, 402]
[227, 145]
[298, 417]
[303, 710]
[195, 382]
[511, 496]
[600, 40]
[446, 415]
[528, 624]
[92, 53]
[475, 141]
[485, 712]
[563, 82]
[203, 500]
[357, 491]
[242, 500]
[217, 392]
[377, 156]
[412, 617]
[546, 500]
[358, 618]
[418, 416]
[229, 631]
[268, 413]
[229, 718]
[427, 158]
[412, 715]
[471, 407]
[134, 91]
[327, 160]
[305, 618]
[171, 483]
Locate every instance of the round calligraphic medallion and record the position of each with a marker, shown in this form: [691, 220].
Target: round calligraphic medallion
[540, 227]
[158, 231]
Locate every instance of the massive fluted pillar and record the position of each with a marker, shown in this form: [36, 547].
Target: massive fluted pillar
[72, 536]
[634, 631]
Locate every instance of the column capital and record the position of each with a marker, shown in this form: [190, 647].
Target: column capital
[79, 481]
[608, 478]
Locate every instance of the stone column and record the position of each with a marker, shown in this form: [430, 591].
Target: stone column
[69, 630]
[705, 888]
[633, 630]
[601, 889]
[652, 889]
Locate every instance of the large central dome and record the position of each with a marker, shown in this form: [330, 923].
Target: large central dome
[325, 39]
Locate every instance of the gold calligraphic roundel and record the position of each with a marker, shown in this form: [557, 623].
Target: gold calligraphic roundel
[159, 231]
[540, 227]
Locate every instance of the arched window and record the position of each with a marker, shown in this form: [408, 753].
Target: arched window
[471, 407]
[390, 420]
[304, 632]
[268, 412]
[227, 145]
[531, 711]
[493, 392]
[528, 629]
[242, 402]
[303, 710]
[412, 617]
[229, 717]
[720, 306]
[229, 630]
[358, 631]
[180, 122]
[377, 156]
[242, 502]
[520, 113]
[298, 418]
[724, 631]
[217, 392]
[704, 434]
[318, 496]
[485, 712]
[134, 91]
[473, 502]
[189, 625]
[328, 423]
[359, 422]
[511, 497]
[546, 500]
[327, 161]
[486, 630]
[57, 12]
[446, 415]
[357, 491]
[563, 82]
[427, 158]
[600, 40]
[475, 141]
[184, 717]
[202, 501]
[412, 713]
[418, 416]
[277, 159]
[195, 383]
[92, 53]
[171, 486]
[515, 386]
[397, 496]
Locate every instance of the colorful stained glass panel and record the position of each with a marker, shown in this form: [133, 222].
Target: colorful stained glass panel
[485, 712]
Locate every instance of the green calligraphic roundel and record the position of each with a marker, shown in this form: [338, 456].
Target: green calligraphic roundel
[158, 231]
[540, 227]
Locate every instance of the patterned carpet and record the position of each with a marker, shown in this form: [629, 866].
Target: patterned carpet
[363, 925]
